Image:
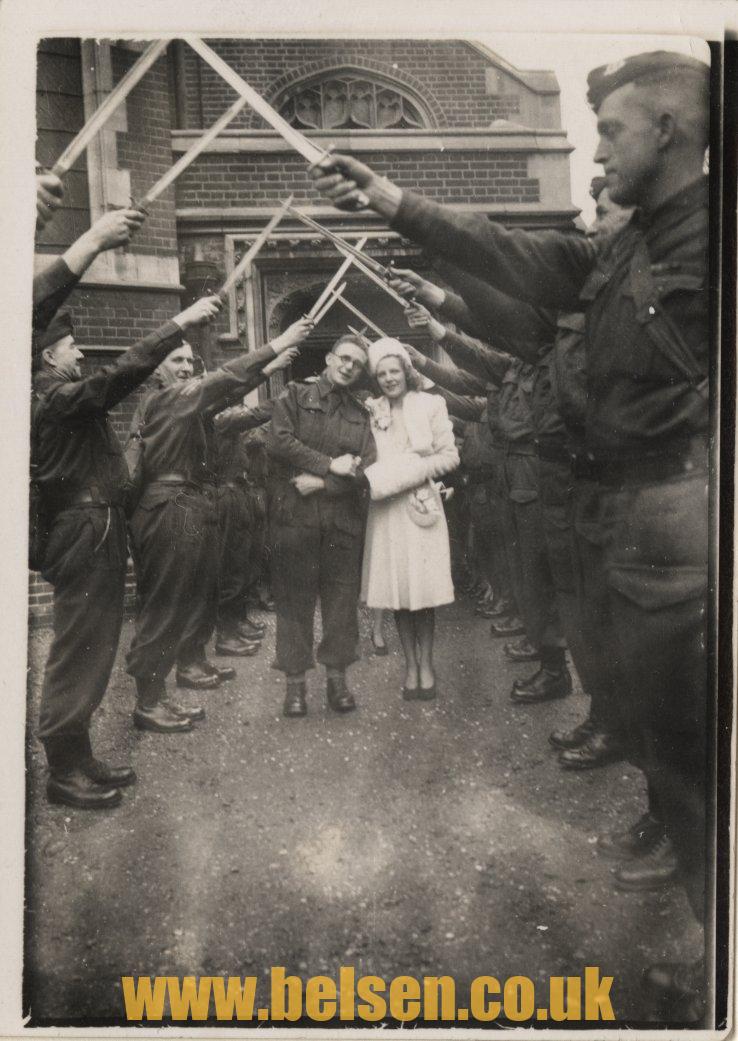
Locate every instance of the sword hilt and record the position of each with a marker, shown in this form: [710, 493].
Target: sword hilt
[362, 202]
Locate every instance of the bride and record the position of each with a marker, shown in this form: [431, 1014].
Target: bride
[407, 565]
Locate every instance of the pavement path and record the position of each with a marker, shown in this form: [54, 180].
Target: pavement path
[403, 838]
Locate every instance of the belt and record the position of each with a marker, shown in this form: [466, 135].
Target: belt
[555, 453]
[85, 497]
[171, 478]
[520, 448]
[479, 477]
[642, 470]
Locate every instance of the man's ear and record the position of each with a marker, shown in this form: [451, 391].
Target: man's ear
[49, 355]
[667, 126]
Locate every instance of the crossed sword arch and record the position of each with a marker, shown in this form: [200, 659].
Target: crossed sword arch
[333, 292]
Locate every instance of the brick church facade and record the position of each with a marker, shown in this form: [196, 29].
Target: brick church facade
[448, 117]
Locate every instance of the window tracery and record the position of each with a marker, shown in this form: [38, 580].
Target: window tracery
[350, 102]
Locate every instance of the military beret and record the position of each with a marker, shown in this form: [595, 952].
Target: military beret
[59, 327]
[607, 78]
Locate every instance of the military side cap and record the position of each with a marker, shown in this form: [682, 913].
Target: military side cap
[607, 78]
[59, 327]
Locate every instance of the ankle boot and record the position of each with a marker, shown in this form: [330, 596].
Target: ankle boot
[340, 698]
[295, 699]
[102, 773]
[68, 784]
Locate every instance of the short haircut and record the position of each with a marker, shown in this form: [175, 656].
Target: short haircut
[683, 92]
[352, 338]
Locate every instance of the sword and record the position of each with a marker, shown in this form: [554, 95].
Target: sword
[341, 243]
[361, 315]
[336, 295]
[312, 152]
[333, 283]
[360, 260]
[102, 114]
[253, 249]
[190, 155]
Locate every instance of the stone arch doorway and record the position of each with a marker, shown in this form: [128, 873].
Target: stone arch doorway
[376, 305]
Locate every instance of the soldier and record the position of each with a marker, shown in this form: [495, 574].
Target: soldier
[78, 465]
[318, 438]
[647, 420]
[521, 512]
[236, 635]
[174, 527]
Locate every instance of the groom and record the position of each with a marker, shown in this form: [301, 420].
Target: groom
[320, 442]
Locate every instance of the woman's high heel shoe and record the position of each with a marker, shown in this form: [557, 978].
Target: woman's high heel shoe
[380, 649]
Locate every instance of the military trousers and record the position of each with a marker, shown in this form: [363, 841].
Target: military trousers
[311, 563]
[655, 559]
[85, 561]
[530, 571]
[236, 553]
[600, 665]
[175, 548]
[577, 570]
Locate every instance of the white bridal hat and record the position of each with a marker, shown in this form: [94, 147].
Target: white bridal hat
[386, 347]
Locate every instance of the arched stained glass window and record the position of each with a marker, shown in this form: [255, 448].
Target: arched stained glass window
[350, 101]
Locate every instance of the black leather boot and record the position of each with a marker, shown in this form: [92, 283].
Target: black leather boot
[572, 738]
[677, 990]
[657, 868]
[102, 773]
[152, 713]
[635, 841]
[236, 647]
[251, 631]
[340, 698]
[599, 749]
[506, 626]
[295, 699]
[544, 685]
[521, 650]
[68, 784]
[195, 677]
[221, 673]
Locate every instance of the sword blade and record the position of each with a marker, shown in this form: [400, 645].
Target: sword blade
[293, 137]
[190, 155]
[338, 241]
[253, 249]
[327, 306]
[375, 278]
[361, 315]
[102, 114]
[333, 282]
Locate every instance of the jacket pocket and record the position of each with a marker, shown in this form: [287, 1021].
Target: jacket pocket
[656, 551]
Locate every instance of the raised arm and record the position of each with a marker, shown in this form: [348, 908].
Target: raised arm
[102, 390]
[476, 357]
[546, 268]
[52, 286]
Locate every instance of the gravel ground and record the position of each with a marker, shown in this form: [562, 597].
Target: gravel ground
[404, 838]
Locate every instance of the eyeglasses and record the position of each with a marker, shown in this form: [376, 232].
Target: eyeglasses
[345, 362]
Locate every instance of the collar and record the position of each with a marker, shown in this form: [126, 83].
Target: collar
[693, 197]
[325, 386]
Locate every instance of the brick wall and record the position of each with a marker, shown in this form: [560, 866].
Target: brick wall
[447, 74]
[247, 179]
[118, 317]
[145, 150]
[40, 598]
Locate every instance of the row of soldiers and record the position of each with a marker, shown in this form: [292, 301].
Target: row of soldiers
[180, 496]
[595, 356]
[582, 365]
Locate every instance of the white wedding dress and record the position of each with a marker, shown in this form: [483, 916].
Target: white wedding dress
[407, 566]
